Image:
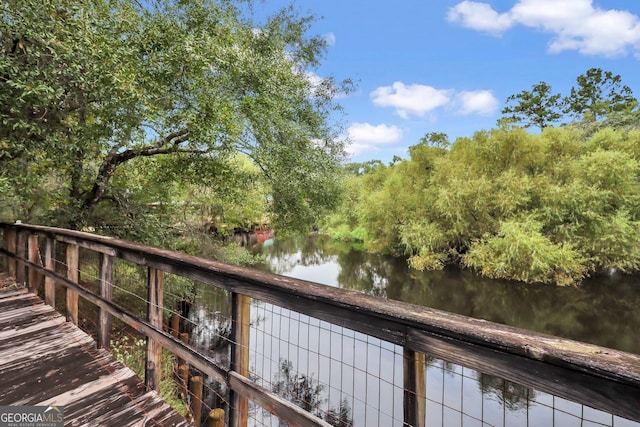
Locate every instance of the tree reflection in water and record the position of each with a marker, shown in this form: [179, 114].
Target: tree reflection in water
[514, 396]
[601, 311]
[307, 393]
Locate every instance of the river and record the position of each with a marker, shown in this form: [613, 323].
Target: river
[601, 311]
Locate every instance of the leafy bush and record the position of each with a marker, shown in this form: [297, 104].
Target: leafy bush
[552, 207]
[519, 251]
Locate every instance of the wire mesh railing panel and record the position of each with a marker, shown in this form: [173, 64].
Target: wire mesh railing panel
[129, 287]
[200, 315]
[88, 278]
[342, 376]
[459, 396]
[203, 312]
[351, 379]
[260, 417]
[60, 267]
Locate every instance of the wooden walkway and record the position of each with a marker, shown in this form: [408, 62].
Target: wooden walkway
[47, 361]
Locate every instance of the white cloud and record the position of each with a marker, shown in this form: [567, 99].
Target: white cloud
[479, 16]
[411, 99]
[574, 24]
[366, 133]
[330, 39]
[419, 99]
[314, 79]
[365, 137]
[356, 148]
[476, 102]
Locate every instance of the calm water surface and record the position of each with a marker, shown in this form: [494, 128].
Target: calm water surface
[284, 344]
[602, 311]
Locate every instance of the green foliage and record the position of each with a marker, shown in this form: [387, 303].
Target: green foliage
[109, 107]
[427, 243]
[536, 108]
[597, 94]
[358, 234]
[520, 251]
[131, 353]
[553, 207]
[345, 234]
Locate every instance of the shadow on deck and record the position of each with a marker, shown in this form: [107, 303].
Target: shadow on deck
[46, 361]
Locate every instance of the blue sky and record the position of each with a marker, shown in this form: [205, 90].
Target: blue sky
[448, 66]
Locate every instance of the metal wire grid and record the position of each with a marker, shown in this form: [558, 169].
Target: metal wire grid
[204, 314]
[342, 376]
[329, 368]
[458, 396]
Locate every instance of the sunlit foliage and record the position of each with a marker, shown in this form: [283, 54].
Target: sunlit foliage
[97, 97]
[553, 207]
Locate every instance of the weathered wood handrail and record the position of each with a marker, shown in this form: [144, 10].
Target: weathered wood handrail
[603, 378]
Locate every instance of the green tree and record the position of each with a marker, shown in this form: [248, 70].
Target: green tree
[551, 207]
[538, 108]
[436, 139]
[89, 87]
[599, 93]
[362, 168]
[520, 251]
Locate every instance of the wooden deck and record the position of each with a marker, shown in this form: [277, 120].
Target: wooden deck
[45, 360]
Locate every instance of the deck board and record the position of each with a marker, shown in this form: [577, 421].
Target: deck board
[45, 360]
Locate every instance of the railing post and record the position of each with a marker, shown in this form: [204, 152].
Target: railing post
[10, 246]
[155, 302]
[240, 327]
[414, 388]
[195, 388]
[73, 260]
[183, 379]
[34, 277]
[20, 265]
[216, 418]
[106, 292]
[49, 283]
[175, 324]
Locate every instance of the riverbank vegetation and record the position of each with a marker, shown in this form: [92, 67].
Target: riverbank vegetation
[150, 121]
[175, 123]
[552, 207]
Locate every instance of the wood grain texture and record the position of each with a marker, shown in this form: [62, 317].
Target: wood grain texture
[155, 298]
[69, 370]
[599, 377]
[106, 292]
[73, 275]
[34, 256]
[240, 328]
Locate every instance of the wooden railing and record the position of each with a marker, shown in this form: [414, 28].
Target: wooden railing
[602, 378]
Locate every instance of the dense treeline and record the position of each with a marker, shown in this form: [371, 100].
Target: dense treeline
[552, 207]
[143, 115]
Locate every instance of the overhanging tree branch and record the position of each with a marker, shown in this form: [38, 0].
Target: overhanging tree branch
[168, 144]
